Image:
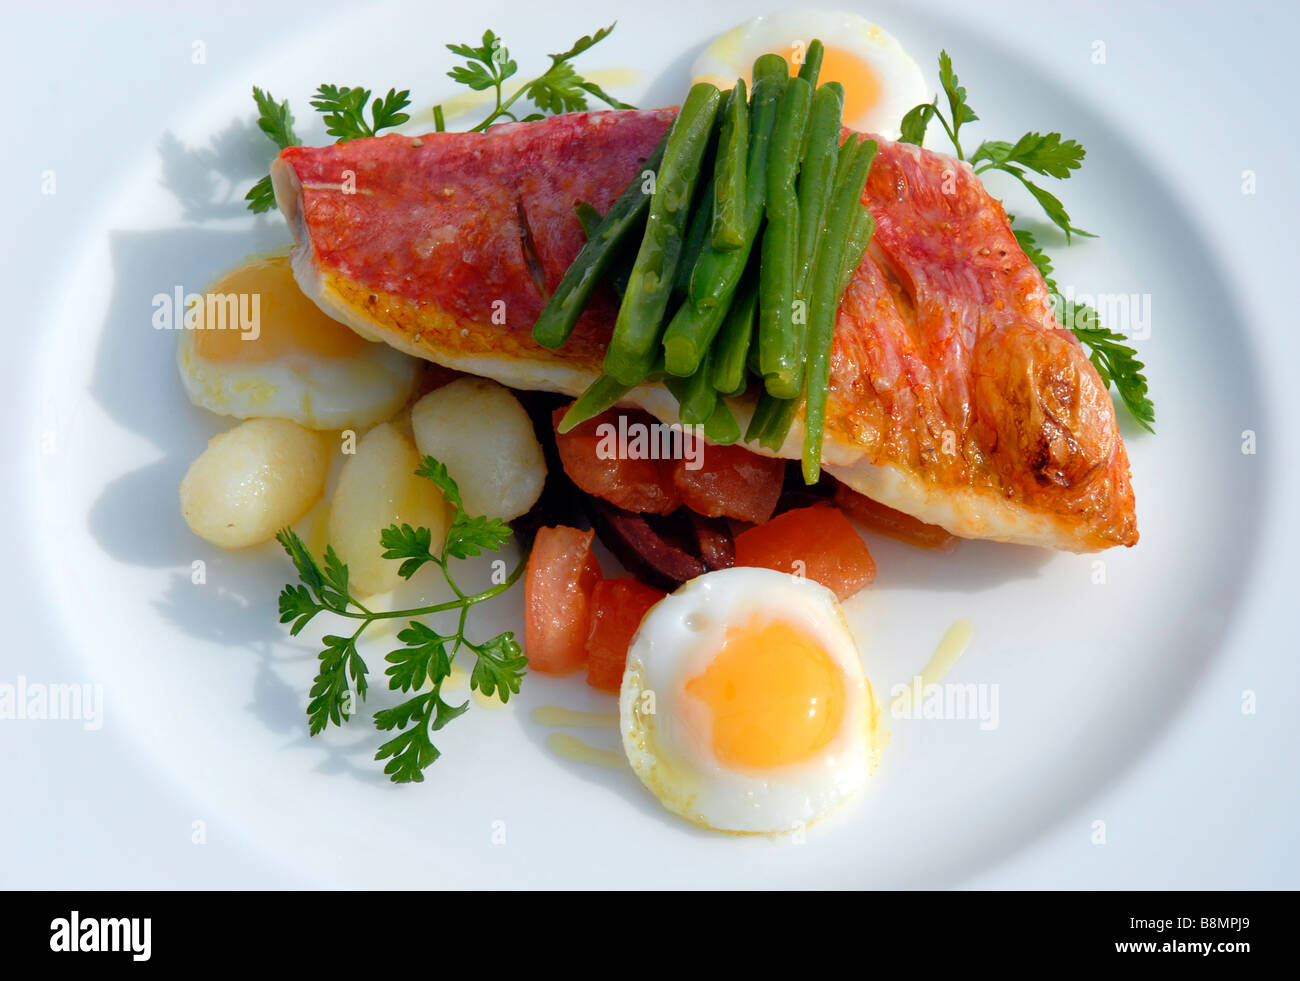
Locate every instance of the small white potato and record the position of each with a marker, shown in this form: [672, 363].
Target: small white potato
[253, 480]
[378, 487]
[484, 437]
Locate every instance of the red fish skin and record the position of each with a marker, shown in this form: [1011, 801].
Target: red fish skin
[947, 362]
[946, 344]
[436, 219]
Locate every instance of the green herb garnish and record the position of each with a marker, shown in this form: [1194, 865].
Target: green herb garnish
[1114, 360]
[424, 661]
[344, 110]
[558, 89]
[1048, 155]
[276, 121]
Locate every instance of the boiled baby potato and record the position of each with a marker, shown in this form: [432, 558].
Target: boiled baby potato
[485, 438]
[377, 487]
[254, 480]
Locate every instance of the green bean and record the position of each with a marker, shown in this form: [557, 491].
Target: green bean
[762, 417]
[717, 271]
[588, 217]
[825, 297]
[621, 268]
[721, 427]
[812, 62]
[696, 397]
[778, 425]
[864, 225]
[604, 393]
[771, 421]
[562, 310]
[731, 346]
[697, 232]
[688, 336]
[778, 341]
[817, 173]
[728, 227]
[640, 317]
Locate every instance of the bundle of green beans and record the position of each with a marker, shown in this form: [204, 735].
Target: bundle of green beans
[749, 238]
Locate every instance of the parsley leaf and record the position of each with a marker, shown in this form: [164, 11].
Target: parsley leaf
[1051, 204]
[1029, 245]
[411, 544]
[412, 750]
[915, 122]
[558, 89]
[431, 469]
[499, 668]
[488, 65]
[424, 656]
[961, 112]
[1114, 360]
[1047, 155]
[466, 537]
[584, 43]
[387, 112]
[345, 111]
[276, 121]
[331, 696]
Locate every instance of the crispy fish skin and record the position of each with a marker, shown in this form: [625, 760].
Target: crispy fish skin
[955, 396]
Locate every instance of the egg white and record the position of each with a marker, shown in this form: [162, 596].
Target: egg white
[667, 732]
[313, 391]
[731, 56]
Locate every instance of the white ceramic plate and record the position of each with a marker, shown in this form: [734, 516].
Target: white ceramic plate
[1088, 673]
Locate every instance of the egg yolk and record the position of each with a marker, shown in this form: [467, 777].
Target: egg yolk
[775, 695]
[288, 322]
[861, 83]
[862, 87]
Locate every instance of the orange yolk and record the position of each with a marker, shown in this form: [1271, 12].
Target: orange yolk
[862, 86]
[775, 695]
[289, 323]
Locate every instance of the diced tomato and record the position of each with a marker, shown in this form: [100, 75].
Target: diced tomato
[600, 467]
[816, 542]
[561, 576]
[889, 522]
[618, 607]
[730, 482]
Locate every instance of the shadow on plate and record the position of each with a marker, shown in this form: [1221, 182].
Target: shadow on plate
[136, 519]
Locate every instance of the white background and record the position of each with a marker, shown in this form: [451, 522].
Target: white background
[1202, 89]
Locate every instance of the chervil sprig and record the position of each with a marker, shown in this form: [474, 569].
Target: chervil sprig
[487, 66]
[1046, 155]
[1115, 360]
[345, 119]
[344, 110]
[276, 121]
[424, 661]
[558, 89]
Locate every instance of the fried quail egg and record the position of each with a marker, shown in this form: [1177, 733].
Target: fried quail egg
[881, 81]
[744, 706]
[259, 348]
